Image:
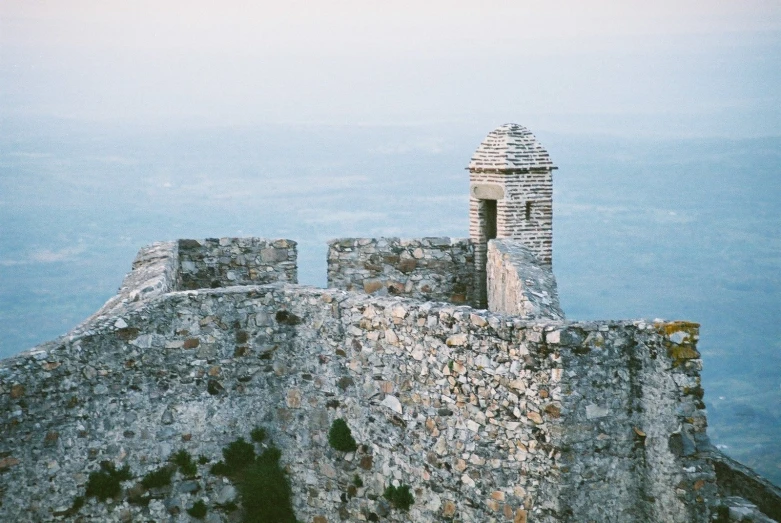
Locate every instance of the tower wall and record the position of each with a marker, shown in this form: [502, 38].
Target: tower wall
[512, 169]
[534, 187]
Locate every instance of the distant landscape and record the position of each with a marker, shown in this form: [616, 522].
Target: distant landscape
[648, 226]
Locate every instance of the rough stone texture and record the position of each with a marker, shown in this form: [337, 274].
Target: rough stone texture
[224, 262]
[637, 439]
[154, 272]
[157, 270]
[431, 269]
[518, 284]
[487, 417]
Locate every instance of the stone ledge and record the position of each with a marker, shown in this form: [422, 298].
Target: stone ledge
[518, 284]
[736, 479]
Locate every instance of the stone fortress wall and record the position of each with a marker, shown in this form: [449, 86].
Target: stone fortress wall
[487, 417]
[517, 284]
[429, 269]
[506, 414]
[225, 262]
[154, 272]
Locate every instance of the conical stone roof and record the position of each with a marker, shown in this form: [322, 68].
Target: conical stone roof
[510, 148]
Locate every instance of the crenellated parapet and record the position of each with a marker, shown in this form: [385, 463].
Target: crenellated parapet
[429, 269]
[225, 262]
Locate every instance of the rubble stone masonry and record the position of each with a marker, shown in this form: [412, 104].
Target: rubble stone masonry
[429, 269]
[488, 417]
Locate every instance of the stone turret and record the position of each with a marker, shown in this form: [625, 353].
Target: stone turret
[510, 197]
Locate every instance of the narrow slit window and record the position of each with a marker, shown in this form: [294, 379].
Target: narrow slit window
[528, 210]
[490, 219]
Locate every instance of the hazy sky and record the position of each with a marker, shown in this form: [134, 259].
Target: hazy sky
[387, 62]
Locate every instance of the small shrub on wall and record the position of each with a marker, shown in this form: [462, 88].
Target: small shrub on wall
[105, 483]
[158, 478]
[198, 510]
[263, 486]
[400, 497]
[265, 491]
[340, 437]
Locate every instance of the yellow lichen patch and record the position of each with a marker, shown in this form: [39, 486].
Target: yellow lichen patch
[670, 328]
[680, 353]
[680, 340]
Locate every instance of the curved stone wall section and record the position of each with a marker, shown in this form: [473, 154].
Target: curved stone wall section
[742, 486]
[224, 262]
[428, 269]
[157, 270]
[518, 284]
[486, 417]
[154, 273]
